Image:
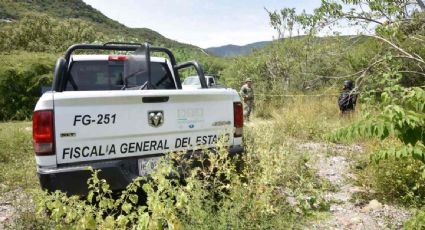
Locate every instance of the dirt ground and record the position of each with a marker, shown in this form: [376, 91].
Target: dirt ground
[333, 164]
[7, 207]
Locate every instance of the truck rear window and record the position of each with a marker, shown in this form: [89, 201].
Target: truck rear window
[108, 75]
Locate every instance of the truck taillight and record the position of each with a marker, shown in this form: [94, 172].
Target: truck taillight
[42, 132]
[117, 58]
[238, 119]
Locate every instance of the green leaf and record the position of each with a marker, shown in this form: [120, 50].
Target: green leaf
[126, 207]
[133, 198]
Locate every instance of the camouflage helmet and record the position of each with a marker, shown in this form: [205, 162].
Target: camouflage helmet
[248, 80]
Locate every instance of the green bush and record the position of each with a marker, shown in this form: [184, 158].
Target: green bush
[41, 33]
[299, 64]
[21, 79]
[396, 181]
[416, 222]
[275, 190]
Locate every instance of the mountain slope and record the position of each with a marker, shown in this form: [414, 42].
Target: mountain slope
[234, 50]
[77, 9]
[58, 9]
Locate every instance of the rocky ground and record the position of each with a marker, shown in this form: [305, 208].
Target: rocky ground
[6, 212]
[7, 207]
[334, 164]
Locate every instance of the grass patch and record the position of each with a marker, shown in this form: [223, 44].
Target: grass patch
[306, 117]
[17, 162]
[395, 181]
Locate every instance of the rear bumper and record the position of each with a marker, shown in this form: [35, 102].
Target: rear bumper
[73, 179]
[118, 173]
[236, 150]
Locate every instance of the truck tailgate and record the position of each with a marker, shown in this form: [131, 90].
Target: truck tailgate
[99, 125]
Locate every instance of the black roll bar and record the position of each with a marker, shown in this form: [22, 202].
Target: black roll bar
[122, 43]
[148, 61]
[172, 60]
[60, 84]
[198, 69]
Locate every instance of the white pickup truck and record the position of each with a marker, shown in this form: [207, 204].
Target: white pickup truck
[193, 82]
[118, 112]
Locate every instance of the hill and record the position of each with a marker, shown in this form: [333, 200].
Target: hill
[77, 9]
[235, 50]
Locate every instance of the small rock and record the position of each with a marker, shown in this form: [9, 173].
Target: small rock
[373, 205]
[344, 221]
[356, 220]
[335, 208]
[356, 189]
[291, 201]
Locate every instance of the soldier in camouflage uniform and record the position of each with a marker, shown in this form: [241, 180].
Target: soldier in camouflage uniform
[247, 93]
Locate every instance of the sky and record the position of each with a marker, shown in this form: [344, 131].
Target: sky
[201, 23]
